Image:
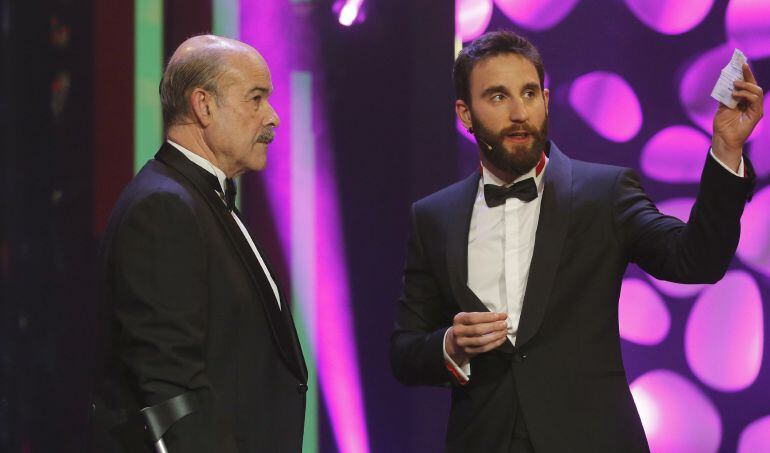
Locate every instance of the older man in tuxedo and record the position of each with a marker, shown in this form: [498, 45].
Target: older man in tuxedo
[513, 275]
[198, 335]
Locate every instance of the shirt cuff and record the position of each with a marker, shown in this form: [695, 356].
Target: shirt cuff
[740, 173]
[461, 373]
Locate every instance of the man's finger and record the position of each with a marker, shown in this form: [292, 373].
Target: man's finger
[486, 348]
[470, 318]
[748, 75]
[474, 342]
[475, 330]
[743, 85]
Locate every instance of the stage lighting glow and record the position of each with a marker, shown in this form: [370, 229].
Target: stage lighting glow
[683, 166]
[754, 246]
[349, 12]
[642, 315]
[536, 14]
[676, 415]
[759, 147]
[724, 333]
[747, 27]
[755, 437]
[679, 290]
[670, 17]
[472, 18]
[607, 103]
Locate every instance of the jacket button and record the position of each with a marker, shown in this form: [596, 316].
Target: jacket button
[518, 357]
[301, 388]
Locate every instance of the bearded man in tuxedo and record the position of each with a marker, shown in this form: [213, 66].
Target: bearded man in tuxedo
[513, 275]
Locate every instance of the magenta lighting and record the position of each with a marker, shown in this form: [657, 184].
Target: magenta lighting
[300, 183]
[349, 11]
[608, 104]
[746, 24]
[670, 17]
[642, 315]
[536, 15]
[676, 415]
[724, 334]
[683, 166]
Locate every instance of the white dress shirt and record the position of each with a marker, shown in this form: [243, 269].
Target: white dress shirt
[500, 246]
[211, 168]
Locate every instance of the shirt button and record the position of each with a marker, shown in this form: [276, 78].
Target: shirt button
[301, 388]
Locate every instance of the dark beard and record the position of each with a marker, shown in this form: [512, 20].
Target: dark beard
[521, 158]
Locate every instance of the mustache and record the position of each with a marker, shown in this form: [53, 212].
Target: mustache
[266, 136]
[519, 128]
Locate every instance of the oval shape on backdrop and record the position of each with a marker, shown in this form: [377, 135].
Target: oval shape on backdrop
[608, 104]
[670, 17]
[675, 154]
[642, 315]
[677, 416]
[724, 335]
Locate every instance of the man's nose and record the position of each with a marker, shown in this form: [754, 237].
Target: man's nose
[518, 111]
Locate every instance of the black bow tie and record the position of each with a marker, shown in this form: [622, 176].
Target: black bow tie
[525, 191]
[230, 192]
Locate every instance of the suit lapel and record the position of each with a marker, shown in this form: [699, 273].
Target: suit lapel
[549, 239]
[279, 326]
[458, 225]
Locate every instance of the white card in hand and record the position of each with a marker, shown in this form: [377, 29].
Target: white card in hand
[723, 90]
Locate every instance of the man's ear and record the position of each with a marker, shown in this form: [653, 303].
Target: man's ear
[464, 113]
[201, 104]
[546, 97]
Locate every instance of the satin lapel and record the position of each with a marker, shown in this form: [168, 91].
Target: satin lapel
[176, 160]
[549, 239]
[458, 225]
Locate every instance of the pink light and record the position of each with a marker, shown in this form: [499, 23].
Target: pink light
[670, 17]
[676, 154]
[676, 415]
[608, 104]
[754, 246]
[349, 12]
[747, 27]
[536, 14]
[642, 316]
[472, 18]
[758, 148]
[755, 437]
[724, 333]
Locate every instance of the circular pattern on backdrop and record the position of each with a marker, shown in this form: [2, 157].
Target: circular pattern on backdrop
[675, 154]
[607, 103]
[472, 18]
[642, 315]
[755, 437]
[676, 415]
[747, 27]
[536, 14]
[670, 17]
[754, 246]
[725, 333]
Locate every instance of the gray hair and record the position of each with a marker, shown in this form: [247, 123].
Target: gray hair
[200, 68]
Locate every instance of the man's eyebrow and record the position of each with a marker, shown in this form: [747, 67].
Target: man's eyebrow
[532, 86]
[258, 89]
[494, 89]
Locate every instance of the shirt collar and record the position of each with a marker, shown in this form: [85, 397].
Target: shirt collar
[201, 162]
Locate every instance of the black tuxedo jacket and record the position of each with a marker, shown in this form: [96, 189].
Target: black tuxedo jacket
[565, 374]
[187, 308]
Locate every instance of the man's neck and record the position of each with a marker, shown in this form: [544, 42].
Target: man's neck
[192, 140]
